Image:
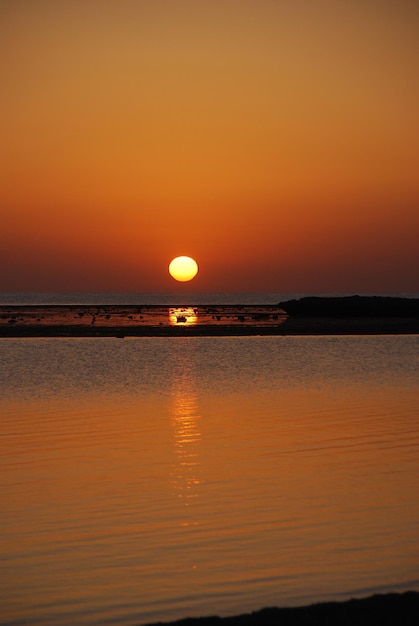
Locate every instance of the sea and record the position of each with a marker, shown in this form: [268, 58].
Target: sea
[150, 479]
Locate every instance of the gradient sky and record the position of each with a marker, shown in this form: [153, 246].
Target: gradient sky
[276, 142]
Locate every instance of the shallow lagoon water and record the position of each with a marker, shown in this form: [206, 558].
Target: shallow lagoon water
[153, 478]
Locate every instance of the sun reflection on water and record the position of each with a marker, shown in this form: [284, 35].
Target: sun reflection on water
[185, 418]
[184, 316]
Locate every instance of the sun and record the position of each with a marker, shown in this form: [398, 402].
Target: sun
[183, 268]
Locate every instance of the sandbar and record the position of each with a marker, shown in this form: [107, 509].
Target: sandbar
[353, 315]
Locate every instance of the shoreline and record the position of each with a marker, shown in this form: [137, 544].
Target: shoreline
[337, 316]
[391, 609]
[306, 327]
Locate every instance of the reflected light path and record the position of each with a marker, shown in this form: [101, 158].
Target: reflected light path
[184, 411]
[185, 316]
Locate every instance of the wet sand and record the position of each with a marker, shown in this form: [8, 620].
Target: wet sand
[155, 321]
[383, 610]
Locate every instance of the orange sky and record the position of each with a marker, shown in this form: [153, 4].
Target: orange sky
[276, 142]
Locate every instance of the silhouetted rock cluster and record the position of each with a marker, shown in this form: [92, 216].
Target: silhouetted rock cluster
[352, 306]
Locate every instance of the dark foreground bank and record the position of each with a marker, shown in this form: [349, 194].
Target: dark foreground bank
[383, 610]
[308, 326]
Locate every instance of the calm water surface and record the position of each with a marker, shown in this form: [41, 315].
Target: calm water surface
[152, 478]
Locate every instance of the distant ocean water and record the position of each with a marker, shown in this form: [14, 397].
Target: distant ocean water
[160, 298]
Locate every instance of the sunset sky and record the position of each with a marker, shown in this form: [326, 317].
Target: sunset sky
[275, 141]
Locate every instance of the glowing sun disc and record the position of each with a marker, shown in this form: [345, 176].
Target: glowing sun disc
[183, 268]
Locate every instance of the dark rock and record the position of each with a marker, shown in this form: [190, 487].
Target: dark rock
[352, 306]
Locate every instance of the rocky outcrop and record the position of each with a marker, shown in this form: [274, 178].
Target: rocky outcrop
[352, 306]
